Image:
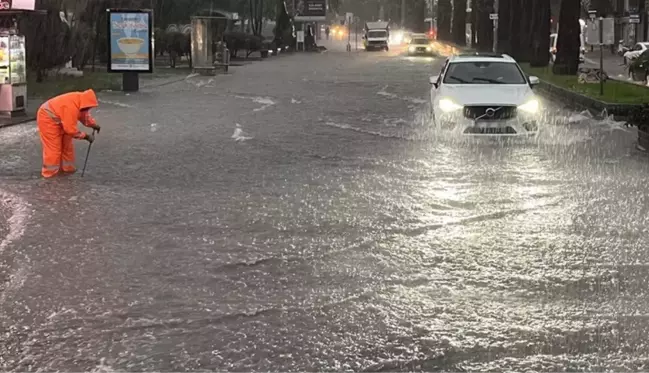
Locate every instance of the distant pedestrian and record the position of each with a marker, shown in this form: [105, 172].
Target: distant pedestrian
[57, 125]
[327, 32]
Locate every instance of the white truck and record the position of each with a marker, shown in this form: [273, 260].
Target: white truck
[376, 36]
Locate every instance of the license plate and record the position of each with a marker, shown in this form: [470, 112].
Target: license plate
[480, 124]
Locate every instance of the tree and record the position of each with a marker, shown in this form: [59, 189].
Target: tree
[444, 14]
[504, 25]
[414, 15]
[515, 29]
[485, 25]
[256, 15]
[524, 45]
[540, 36]
[474, 21]
[603, 7]
[459, 22]
[568, 41]
[47, 39]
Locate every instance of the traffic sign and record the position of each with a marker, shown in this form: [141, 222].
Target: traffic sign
[634, 18]
[607, 26]
[592, 14]
[349, 17]
[493, 16]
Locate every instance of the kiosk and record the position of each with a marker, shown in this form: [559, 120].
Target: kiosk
[13, 63]
[13, 73]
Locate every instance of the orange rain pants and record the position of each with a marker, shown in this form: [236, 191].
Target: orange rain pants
[57, 124]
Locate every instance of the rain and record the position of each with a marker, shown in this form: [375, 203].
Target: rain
[301, 213]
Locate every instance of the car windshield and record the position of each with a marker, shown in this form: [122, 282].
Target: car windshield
[376, 34]
[420, 41]
[480, 72]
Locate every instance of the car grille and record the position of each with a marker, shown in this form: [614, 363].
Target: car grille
[376, 42]
[421, 49]
[490, 131]
[501, 112]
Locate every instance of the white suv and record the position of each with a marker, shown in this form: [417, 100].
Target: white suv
[484, 94]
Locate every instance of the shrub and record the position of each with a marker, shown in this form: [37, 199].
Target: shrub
[237, 41]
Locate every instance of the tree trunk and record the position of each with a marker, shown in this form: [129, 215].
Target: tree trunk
[444, 14]
[603, 7]
[568, 41]
[459, 22]
[414, 19]
[474, 23]
[485, 29]
[515, 29]
[525, 40]
[504, 46]
[540, 39]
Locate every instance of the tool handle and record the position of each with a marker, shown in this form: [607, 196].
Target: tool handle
[87, 155]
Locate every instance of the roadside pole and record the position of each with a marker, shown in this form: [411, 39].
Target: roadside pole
[601, 55]
[349, 17]
[356, 21]
[494, 17]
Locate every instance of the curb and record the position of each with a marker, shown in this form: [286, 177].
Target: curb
[8, 122]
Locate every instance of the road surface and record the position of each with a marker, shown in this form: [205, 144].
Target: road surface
[332, 229]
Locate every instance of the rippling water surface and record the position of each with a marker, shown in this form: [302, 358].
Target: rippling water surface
[361, 240]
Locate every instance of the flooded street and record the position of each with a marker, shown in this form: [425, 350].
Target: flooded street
[300, 214]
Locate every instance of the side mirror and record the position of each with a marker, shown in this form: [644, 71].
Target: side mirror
[433, 80]
[534, 80]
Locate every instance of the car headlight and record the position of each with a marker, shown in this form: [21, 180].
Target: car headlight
[411, 48]
[428, 49]
[531, 106]
[446, 105]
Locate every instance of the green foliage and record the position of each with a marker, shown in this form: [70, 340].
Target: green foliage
[615, 92]
[61, 84]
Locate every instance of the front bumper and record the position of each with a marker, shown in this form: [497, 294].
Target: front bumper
[522, 125]
[420, 52]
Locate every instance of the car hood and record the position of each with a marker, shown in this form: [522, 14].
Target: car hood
[478, 94]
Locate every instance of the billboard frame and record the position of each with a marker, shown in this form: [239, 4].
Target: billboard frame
[110, 44]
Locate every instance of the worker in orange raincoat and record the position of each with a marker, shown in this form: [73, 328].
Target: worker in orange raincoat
[57, 123]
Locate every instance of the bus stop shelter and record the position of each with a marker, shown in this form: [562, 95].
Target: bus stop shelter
[209, 52]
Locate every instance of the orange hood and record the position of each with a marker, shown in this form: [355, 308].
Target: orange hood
[88, 99]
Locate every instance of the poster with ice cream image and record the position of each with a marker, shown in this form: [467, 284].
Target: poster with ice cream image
[130, 41]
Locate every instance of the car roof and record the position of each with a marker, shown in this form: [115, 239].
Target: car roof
[481, 57]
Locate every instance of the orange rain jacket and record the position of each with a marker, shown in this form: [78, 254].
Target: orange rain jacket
[66, 110]
[57, 124]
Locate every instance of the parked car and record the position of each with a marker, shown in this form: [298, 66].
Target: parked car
[635, 52]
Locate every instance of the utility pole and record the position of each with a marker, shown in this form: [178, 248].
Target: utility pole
[495, 27]
[403, 13]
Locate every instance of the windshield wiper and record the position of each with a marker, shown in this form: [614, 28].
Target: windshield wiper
[488, 80]
[458, 79]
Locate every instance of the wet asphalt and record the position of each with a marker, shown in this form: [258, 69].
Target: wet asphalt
[301, 214]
